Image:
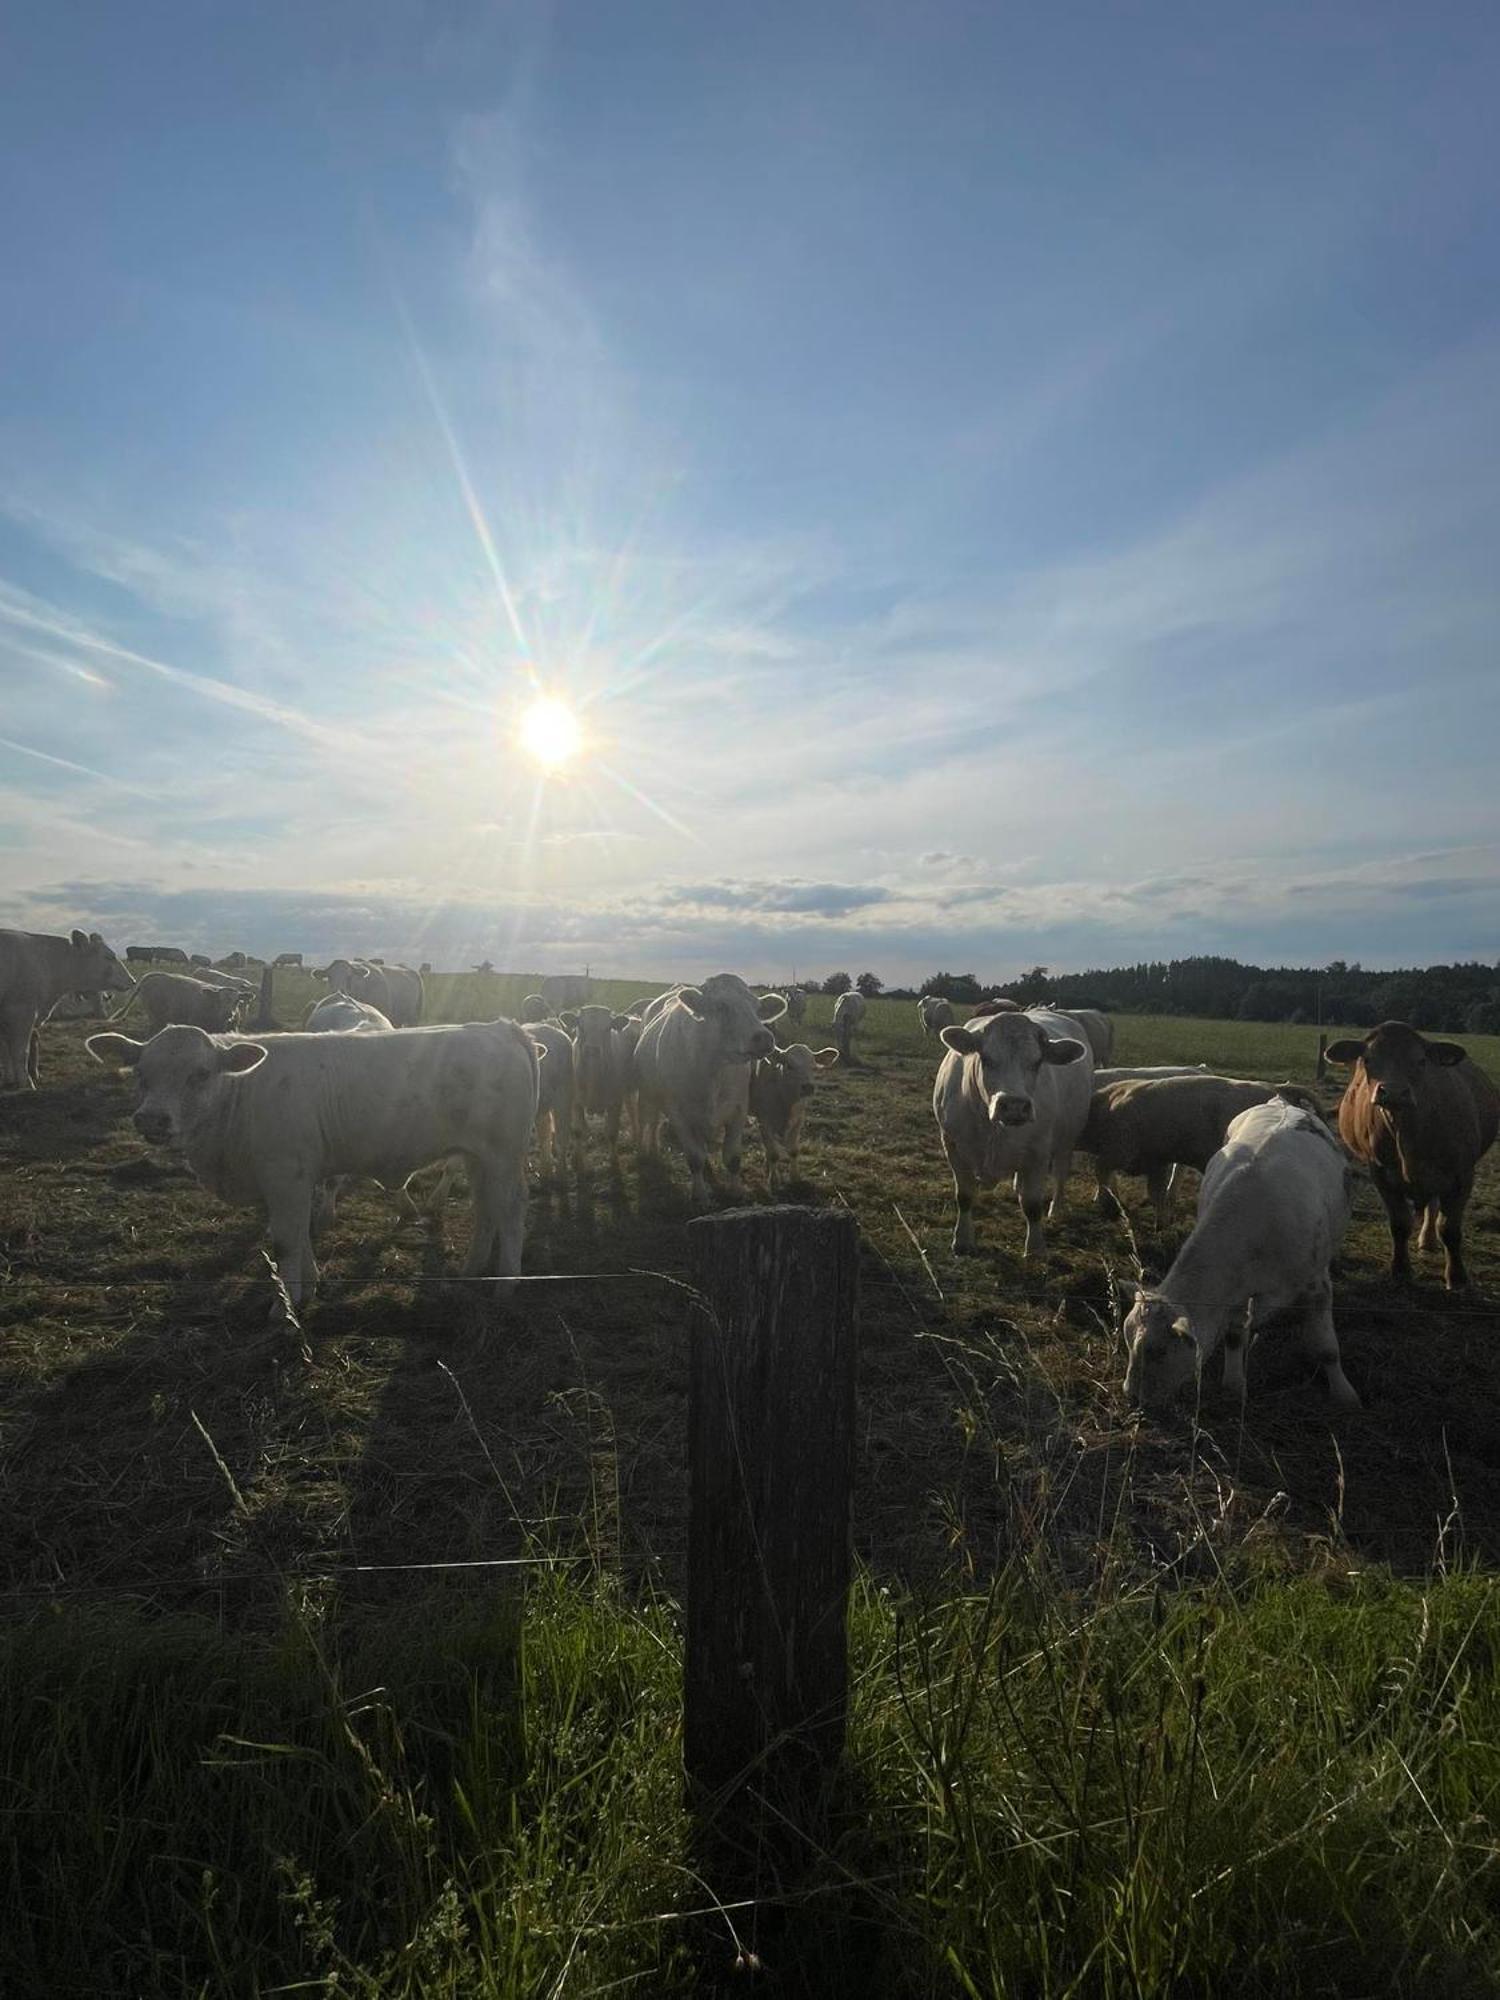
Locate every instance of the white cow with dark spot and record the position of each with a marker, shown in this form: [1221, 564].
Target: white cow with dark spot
[36, 970]
[178, 999]
[1010, 1100]
[1272, 1212]
[266, 1122]
[934, 1013]
[780, 1085]
[848, 1013]
[693, 1066]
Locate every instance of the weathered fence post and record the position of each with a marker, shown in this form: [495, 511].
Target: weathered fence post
[265, 1015]
[770, 1465]
[1322, 1069]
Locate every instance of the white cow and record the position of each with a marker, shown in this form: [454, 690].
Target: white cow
[1010, 1099]
[177, 998]
[268, 1121]
[693, 1066]
[554, 1111]
[1272, 1212]
[342, 1014]
[780, 1085]
[934, 1013]
[848, 1013]
[796, 1007]
[395, 989]
[36, 970]
[603, 1067]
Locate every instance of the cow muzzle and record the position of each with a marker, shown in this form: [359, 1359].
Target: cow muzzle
[1387, 1099]
[1011, 1111]
[154, 1126]
[761, 1044]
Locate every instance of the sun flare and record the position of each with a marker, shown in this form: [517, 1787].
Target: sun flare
[550, 733]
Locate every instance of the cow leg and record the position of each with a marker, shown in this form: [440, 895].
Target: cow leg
[1323, 1345]
[1450, 1230]
[1062, 1166]
[1429, 1234]
[1159, 1188]
[1236, 1340]
[289, 1217]
[33, 1063]
[1106, 1201]
[495, 1243]
[544, 1144]
[964, 1186]
[1398, 1211]
[1033, 1191]
[696, 1155]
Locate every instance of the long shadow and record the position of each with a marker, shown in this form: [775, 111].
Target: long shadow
[60, 1120]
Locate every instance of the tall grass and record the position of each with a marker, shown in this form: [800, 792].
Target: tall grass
[1264, 1788]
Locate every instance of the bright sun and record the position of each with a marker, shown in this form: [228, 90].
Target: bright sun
[550, 733]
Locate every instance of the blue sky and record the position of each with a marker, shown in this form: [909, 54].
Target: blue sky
[999, 484]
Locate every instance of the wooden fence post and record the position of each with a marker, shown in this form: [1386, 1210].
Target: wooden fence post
[1322, 1069]
[770, 1465]
[265, 1016]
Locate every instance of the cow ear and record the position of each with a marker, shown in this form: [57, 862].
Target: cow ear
[1447, 1055]
[692, 998]
[826, 1058]
[772, 1006]
[1346, 1051]
[963, 1041]
[541, 1049]
[95, 938]
[117, 1049]
[241, 1057]
[1062, 1049]
[569, 1019]
[78, 939]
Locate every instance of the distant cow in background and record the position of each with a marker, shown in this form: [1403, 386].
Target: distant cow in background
[796, 1008]
[1422, 1116]
[176, 999]
[234, 961]
[848, 1013]
[285, 959]
[169, 954]
[934, 1013]
[199, 959]
[36, 970]
[139, 954]
[395, 989]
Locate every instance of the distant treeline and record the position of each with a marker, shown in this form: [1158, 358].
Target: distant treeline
[1449, 999]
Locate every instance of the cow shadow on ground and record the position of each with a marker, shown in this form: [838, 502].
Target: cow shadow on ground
[60, 1121]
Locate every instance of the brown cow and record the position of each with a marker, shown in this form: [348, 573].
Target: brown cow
[1422, 1115]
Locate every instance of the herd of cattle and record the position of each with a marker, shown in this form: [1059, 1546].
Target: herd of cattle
[362, 1090]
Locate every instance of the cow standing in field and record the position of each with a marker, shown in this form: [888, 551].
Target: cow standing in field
[935, 1013]
[554, 1110]
[796, 1008]
[780, 1085]
[1272, 1212]
[1422, 1116]
[1010, 1099]
[603, 1067]
[36, 970]
[178, 999]
[1153, 1125]
[848, 1014]
[692, 1066]
[395, 989]
[268, 1122]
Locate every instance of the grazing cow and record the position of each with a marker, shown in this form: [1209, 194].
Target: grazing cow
[603, 1066]
[198, 960]
[1153, 1125]
[796, 1008]
[395, 989]
[234, 961]
[565, 989]
[342, 1014]
[36, 970]
[425, 967]
[268, 1122]
[285, 959]
[554, 1110]
[780, 1085]
[692, 1064]
[848, 1013]
[935, 1013]
[1421, 1115]
[177, 999]
[1272, 1212]
[1010, 1099]
[169, 954]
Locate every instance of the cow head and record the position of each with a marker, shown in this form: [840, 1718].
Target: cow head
[1396, 1059]
[178, 1074]
[1163, 1353]
[1010, 1050]
[800, 1064]
[223, 1004]
[339, 973]
[97, 969]
[726, 1004]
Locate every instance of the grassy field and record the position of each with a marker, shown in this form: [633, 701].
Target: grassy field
[1140, 1707]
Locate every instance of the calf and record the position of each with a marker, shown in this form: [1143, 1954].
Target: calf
[692, 1066]
[36, 970]
[1272, 1212]
[267, 1122]
[1010, 1099]
[603, 1067]
[178, 999]
[934, 1013]
[1421, 1115]
[780, 1085]
[848, 1013]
